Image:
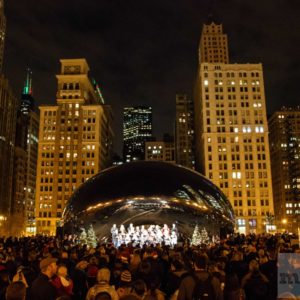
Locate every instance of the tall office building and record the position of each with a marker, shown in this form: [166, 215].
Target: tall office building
[25, 162]
[137, 129]
[161, 150]
[17, 213]
[232, 138]
[284, 126]
[74, 139]
[2, 32]
[184, 131]
[213, 44]
[28, 110]
[8, 117]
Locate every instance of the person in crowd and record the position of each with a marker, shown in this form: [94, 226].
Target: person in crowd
[4, 282]
[138, 289]
[62, 282]
[41, 288]
[124, 284]
[255, 284]
[176, 273]
[92, 270]
[16, 291]
[135, 261]
[232, 289]
[79, 278]
[102, 285]
[153, 291]
[103, 296]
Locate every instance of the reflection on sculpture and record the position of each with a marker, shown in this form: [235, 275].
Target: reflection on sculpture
[131, 198]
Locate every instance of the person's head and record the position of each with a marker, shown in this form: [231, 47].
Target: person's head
[200, 262]
[48, 266]
[16, 291]
[139, 287]
[253, 265]
[103, 296]
[82, 265]
[263, 259]
[103, 275]
[64, 255]
[177, 265]
[62, 271]
[261, 252]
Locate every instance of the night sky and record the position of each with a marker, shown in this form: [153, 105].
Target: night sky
[143, 52]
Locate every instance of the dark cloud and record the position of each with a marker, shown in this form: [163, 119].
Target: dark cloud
[143, 52]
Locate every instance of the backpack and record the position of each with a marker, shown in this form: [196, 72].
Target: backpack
[257, 287]
[203, 290]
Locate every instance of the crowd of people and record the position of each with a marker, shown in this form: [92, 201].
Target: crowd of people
[239, 267]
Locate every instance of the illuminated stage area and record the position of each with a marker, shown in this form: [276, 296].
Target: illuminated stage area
[148, 193]
[144, 234]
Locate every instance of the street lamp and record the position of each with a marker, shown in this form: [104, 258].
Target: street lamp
[284, 222]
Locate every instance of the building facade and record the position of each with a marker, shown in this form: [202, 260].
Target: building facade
[17, 213]
[137, 129]
[160, 151]
[8, 119]
[232, 146]
[184, 131]
[2, 33]
[284, 126]
[74, 138]
[213, 44]
[25, 162]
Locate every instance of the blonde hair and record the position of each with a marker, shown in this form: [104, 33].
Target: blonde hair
[62, 271]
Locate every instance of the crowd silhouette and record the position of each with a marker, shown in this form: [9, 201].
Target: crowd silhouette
[238, 267]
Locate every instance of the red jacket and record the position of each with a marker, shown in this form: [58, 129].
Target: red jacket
[63, 289]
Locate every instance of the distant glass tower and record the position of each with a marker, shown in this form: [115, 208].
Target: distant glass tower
[2, 32]
[27, 101]
[137, 129]
[284, 126]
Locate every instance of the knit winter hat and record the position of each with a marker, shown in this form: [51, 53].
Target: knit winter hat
[126, 276]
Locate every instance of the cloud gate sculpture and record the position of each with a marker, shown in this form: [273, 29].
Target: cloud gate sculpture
[148, 201]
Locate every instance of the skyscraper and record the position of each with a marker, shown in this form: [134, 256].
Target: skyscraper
[2, 32]
[137, 129]
[74, 139]
[184, 131]
[25, 162]
[17, 213]
[284, 128]
[213, 44]
[28, 110]
[8, 116]
[27, 101]
[232, 136]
